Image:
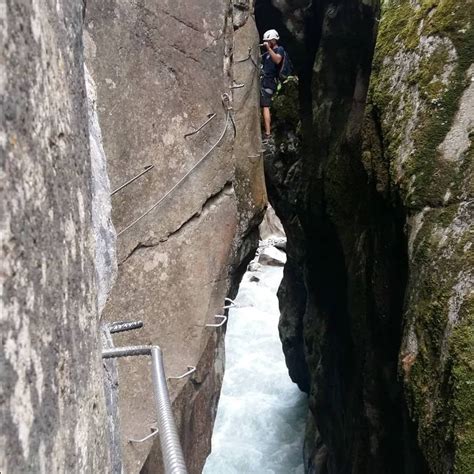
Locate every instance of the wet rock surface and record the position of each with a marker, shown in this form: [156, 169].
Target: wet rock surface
[374, 191]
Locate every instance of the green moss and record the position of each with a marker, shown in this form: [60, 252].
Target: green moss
[441, 381]
[463, 386]
[426, 175]
[285, 105]
[286, 117]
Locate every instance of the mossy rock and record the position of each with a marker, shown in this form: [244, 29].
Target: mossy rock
[433, 46]
[423, 56]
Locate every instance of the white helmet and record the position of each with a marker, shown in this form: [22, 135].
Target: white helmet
[271, 35]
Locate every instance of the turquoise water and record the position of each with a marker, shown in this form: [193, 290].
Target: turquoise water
[261, 415]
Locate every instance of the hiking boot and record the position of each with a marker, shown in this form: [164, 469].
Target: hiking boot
[266, 140]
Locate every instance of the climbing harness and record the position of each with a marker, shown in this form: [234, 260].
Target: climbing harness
[226, 102]
[147, 168]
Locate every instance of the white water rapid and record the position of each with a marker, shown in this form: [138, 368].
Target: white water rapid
[260, 420]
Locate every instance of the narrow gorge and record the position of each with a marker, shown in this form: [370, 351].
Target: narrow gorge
[134, 182]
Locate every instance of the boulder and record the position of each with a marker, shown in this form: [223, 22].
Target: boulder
[271, 226]
[272, 256]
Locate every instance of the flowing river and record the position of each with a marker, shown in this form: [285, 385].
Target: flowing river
[260, 420]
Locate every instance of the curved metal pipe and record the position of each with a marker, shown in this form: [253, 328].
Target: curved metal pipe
[170, 445]
[173, 458]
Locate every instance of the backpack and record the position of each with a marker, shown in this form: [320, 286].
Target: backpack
[286, 68]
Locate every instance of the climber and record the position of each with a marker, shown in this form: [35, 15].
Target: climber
[269, 77]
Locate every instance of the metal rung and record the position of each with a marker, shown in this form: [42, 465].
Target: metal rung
[231, 305]
[210, 117]
[237, 86]
[191, 369]
[147, 168]
[218, 325]
[227, 104]
[122, 326]
[132, 440]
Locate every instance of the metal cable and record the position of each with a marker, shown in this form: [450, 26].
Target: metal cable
[248, 58]
[249, 55]
[173, 458]
[226, 102]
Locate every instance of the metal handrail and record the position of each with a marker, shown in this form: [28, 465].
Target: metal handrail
[173, 457]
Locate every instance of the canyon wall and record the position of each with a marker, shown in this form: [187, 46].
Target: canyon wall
[52, 404]
[152, 74]
[162, 70]
[373, 185]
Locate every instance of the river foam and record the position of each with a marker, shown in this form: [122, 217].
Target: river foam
[261, 415]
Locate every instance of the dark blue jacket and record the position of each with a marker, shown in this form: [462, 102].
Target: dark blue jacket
[270, 69]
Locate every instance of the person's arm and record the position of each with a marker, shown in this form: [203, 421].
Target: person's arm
[276, 58]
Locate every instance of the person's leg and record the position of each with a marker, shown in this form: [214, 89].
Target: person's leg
[267, 120]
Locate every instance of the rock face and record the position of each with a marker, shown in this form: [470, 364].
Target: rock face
[105, 236]
[374, 188]
[271, 226]
[424, 117]
[52, 403]
[163, 70]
